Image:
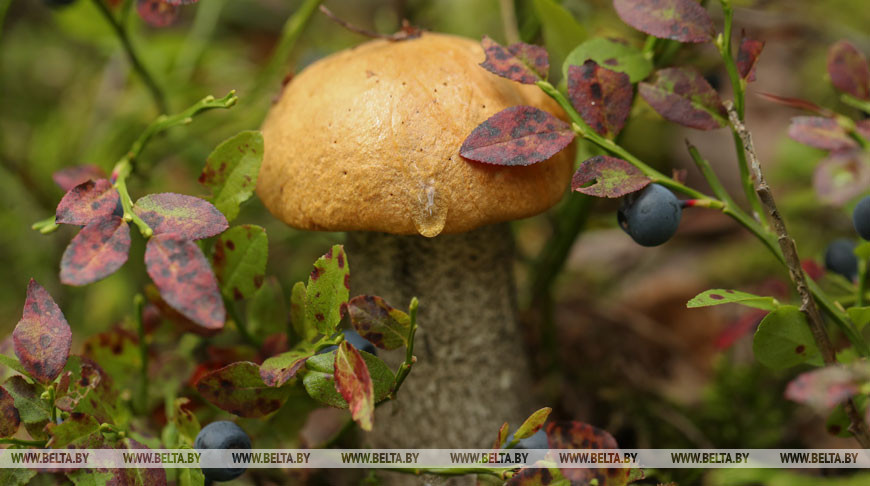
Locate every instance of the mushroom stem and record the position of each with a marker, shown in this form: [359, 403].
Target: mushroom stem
[472, 372]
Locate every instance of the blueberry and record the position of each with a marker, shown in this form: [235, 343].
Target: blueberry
[840, 258]
[538, 440]
[358, 342]
[222, 435]
[651, 216]
[861, 218]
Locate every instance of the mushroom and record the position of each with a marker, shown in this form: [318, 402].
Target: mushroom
[367, 141]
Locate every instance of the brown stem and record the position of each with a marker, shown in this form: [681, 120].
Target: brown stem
[789, 250]
[406, 32]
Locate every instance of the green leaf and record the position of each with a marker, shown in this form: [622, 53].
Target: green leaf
[863, 250]
[16, 476]
[239, 260]
[328, 290]
[31, 408]
[277, 370]
[266, 311]
[722, 296]
[838, 422]
[613, 55]
[303, 328]
[320, 383]
[380, 323]
[562, 33]
[14, 364]
[238, 389]
[231, 171]
[186, 423]
[784, 339]
[86, 388]
[533, 423]
[76, 427]
[117, 352]
[860, 316]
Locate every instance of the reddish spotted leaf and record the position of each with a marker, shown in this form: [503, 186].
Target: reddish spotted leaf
[187, 216]
[520, 62]
[680, 20]
[842, 176]
[502, 436]
[88, 201]
[328, 290]
[9, 418]
[277, 370]
[747, 57]
[848, 70]
[352, 380]
[797, 103]
[185, 279]
[683, 96]
[825, 388]
[820, 132]
[533, 424]
[157, 13]
[605, 176]
[383, 325]
[96, 252]
[70, 177]
[238, 389]
[601, 96]
[538, 474]
[577, 435]
[42, 337]
[520, 135]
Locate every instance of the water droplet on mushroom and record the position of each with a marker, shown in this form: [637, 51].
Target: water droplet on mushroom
[429, 212]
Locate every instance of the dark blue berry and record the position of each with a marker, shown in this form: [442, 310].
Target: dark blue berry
[538, 440]
[840, 258]
[861, 218]
[358, 342]
[651, 216]
[222, 435]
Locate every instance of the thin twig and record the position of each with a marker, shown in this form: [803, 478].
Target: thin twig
[406, 32]
[789, 250]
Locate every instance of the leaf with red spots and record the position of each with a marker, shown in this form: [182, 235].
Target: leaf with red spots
[826, 388]
[157, 13]
[116, 351]
[520, 62]
[319, 379]
[538, 474]
[380, 323]
[277, 370]
[784, 339]
[42, 337]
[185, 279]
[820, 132]
[533, 423]
[680, 20]
[96, 252]
[31, 408]
[848, 70]
[239, 260]
[85, 388]
[353, 382]
[606, 176]
[683, 96]
[231, 171]
[601, 96]
[328, 290]
[189, 217]
[70, 177]
[842, 176]
[747, 57]
[88, 201]
[519, 135]
[298, 315]
[797, 103]
[239, 389]
[614, 54]
[577, 435]
[726, 296]
[9, 418]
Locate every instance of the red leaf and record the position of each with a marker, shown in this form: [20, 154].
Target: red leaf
[520, 62]
[842, 176]
[189, 217]
[683, 96]
[601, 96]
[88, 201]
[238, 389]
[520, 135]
[377, 321]
[70, 177]
[681, 20]
[747, 57]
[848, 70]
[353, 382]
[185, 279]
[157, 13]
[42, 337]
[577, 435]
[502, 436]
[797, 103]
[9, 418]
[96, 252]
[820, 132]
[613, 177]
[825, 388]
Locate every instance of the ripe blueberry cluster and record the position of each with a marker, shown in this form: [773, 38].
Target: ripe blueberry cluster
[840, 255]
[651, 216]
[222, 435]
